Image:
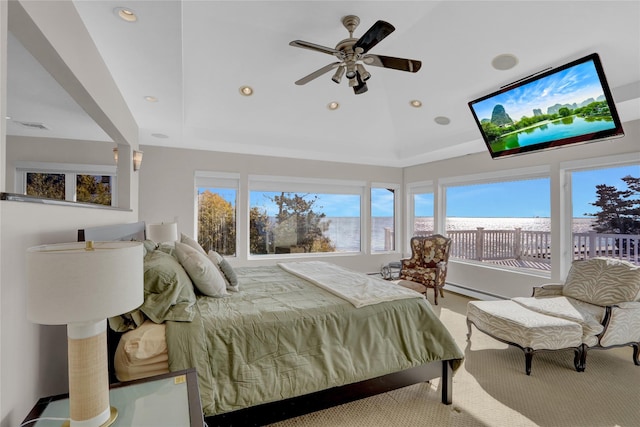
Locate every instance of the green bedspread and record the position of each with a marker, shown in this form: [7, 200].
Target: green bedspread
[282, 336]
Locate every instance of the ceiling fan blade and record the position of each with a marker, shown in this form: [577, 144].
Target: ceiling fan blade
[374, 35]
[316, 47]
[317, 73]
[402, 64]
[361, 87]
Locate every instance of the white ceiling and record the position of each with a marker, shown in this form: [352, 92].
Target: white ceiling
[193, 56]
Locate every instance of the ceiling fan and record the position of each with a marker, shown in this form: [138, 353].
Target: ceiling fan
[353, 53]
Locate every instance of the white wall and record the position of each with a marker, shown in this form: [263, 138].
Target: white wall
[503, 282]
[33, 357]
[167, 189]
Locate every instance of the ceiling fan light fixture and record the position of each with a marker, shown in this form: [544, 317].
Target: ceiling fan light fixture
[353, 82]
[364, 74]
[351, 70]
[337, 76]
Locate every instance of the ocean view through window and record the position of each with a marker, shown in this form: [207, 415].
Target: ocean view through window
[493, 222]
[383, 207]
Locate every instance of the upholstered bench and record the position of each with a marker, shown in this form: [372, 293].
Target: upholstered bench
[511, 323]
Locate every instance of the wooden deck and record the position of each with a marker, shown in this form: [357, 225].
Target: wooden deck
[519, 263]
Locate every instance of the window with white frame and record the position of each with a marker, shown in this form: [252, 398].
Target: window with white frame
[78, 183]
[421, 209]
[217, 196]
[605, 214]
[501, 219]
[383, 217]
[297, 215]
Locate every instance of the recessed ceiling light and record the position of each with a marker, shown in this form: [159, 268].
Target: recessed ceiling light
[159, 135]
[125, 14]
[246, 90]
[7, 117]
[442, 120]
[415, 103]
[505, 61]
[333, 105]
[151, 98]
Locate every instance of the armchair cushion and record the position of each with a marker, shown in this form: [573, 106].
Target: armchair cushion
[589, 316]
[603, 281]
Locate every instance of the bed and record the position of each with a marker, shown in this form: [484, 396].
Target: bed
[282, 343]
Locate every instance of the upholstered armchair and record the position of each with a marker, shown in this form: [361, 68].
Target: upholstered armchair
[427, 267]
[596, 307]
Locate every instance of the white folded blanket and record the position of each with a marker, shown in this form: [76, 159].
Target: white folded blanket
[358, 288]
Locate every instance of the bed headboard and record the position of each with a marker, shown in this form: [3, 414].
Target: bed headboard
[105, 233]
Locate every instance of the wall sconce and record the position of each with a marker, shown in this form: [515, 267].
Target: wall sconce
[115, 155]
[137, 160]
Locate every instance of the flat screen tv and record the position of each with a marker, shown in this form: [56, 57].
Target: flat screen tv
[567, 105]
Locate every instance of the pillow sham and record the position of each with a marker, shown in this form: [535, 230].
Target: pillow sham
[189, 241]
[168, 291]
[204, 274]
[227, 270]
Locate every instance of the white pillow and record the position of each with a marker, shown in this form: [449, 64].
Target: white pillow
[191, 242]
[204, 274]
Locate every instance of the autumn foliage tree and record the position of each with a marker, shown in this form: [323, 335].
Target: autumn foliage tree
[216, 223]
[93, 189]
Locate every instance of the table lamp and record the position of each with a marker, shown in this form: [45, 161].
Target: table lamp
[163, 232]
[81, 285]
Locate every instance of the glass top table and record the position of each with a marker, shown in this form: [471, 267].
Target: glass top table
[165, 400]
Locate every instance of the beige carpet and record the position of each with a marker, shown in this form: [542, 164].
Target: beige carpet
[491, 389]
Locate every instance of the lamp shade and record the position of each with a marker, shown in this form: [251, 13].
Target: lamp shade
[164, 232]
[72, 283]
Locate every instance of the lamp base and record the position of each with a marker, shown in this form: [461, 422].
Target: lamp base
[112, 418]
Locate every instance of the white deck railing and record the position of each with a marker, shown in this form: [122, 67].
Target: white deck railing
[518, 244]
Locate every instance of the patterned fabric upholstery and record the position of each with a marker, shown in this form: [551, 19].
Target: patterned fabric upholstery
[588, 316]
[509, 322]
[603, 281]
[428, 262]
[597, 307]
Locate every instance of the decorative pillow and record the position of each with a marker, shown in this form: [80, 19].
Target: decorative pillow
[168, 291]
[226, 269]
[205, 275]
[603, 281]
[189, 241]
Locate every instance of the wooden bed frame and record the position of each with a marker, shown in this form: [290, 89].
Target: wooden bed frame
[292, 407]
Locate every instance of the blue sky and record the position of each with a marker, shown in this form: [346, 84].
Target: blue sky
[526, 199]
[574, 84]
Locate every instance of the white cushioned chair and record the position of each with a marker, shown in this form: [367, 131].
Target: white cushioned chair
[597, 307]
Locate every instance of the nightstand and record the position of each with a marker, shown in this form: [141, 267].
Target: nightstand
[168, 400]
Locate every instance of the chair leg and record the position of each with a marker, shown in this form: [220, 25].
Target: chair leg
[435, 296]
[528, 356]
[636, 354]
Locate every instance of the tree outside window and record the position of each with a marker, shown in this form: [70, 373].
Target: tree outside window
[217, 220]
[293, 222]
